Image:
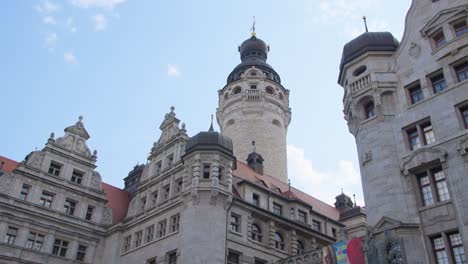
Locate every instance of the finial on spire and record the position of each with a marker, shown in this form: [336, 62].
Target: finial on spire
[80, 118]
[172, 109]
[211, 126]
[365, 23]
[253, 27]
[253, 145]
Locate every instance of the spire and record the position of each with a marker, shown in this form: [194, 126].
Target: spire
[253, 28]
[365, 23]
[211, 126]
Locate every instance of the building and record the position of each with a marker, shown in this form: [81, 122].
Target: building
[195, 201]
[406, 103]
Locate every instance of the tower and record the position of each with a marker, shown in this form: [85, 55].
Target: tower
[254, 106]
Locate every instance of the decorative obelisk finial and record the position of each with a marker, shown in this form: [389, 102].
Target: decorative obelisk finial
[253, 145]
[211, 126]
[365, 22]
[253, 28]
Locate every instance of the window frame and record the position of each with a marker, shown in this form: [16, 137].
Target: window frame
[77, 176]
[416, 137]
[439, 193]
[175, 223]
[46, 199]
[11, 235]
[277, 208]
[438, 39]
[235, 223]
[81, 253]
[69, 206]
[256, 199]
[89, 213]
[414, 98]
[279, 241]
[161, 229]
[256, 233]
[34, 241]
[463, 31]
[24, 195]
[438, 81]
[137, 241]
[317, 225]
[234, 254]
[149, 233]
[460, 68]
[55, 171]
[60, 247]
[369, 110]
[127, 245]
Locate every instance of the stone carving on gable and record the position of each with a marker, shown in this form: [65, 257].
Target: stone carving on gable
[414, 50]
[169, 129]
[107, 215]
[75, 139]
[420, 157]
[35, 159]
[96, 180]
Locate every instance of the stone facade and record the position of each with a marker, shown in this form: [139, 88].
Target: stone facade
[405, 107]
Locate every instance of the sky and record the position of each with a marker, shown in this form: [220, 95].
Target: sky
[122, 64]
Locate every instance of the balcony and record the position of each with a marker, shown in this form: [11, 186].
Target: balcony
[359, 85]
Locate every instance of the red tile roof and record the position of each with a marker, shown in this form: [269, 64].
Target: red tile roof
[243, 171]
[8, 164]
[118, 199]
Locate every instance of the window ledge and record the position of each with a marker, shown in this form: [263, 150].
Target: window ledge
[235, 233]
[368, 120]
[429, 207]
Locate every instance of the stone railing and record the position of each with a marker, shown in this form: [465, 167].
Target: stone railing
[253, 95]
[311, 257]
[360, 84]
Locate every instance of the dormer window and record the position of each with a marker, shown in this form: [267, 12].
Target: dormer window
[54, 168]
[460, 28]
[439, 39]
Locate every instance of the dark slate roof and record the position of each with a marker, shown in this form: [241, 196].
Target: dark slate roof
[209, 141]
[369, 41]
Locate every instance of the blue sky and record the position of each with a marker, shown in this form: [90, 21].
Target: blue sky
[123, 63]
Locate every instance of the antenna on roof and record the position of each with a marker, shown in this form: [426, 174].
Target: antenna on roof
[365, 23]
[253, 27]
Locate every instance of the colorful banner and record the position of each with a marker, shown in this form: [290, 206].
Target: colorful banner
[345, 252]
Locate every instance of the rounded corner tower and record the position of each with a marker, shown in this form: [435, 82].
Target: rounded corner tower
[254, 107]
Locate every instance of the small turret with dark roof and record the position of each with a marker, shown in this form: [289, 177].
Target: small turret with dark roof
[209, 140]
[255, 161]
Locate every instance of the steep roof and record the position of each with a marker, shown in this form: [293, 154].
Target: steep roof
[243, 171]
[8, 165]
[118, 200]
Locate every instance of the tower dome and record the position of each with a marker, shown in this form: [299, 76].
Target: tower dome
[209, 140]
[253, 47]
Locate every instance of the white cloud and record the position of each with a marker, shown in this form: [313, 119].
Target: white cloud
[97, 3]
[173, 70]
[71, 24]
[69, 57]
[100, 22]
[51, 41]
[324, 185]
[49, 20]
[47, 7]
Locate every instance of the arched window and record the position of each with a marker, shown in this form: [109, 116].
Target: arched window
[226, 96]
[279, 242]
[300, 247]
[369, 110]
[269, 90]
[256, 233]
[237, 90]
[281, 96]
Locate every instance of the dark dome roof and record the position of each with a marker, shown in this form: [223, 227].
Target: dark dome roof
[209, 141]
[369, 41]
[254, 52]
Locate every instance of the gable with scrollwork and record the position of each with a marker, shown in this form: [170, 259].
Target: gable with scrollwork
[441, 18]
[421, 157]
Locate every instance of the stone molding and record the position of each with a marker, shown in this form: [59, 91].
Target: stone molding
[421, 157]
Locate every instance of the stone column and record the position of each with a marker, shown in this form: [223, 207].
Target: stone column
[3, 229]
[89, 257]
[72, 249]
[271, 234]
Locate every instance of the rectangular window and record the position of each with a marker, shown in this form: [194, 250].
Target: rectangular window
[151, 261]
[257, 261]
[178, 186]
[81, 253]
[162, 228]
[462, 71]
[126, 244]
[170, 160]
[439, 39]
[142, 204]
[439, 250]
[34, 241]
[11, 234]
[60, 248]
[233, 258]
[317, 226]
[415, 93]
[46, 199]
[89, 213]
[24, 192]
[220, 173]
[138, 237]
[428, 133]
[334, 232]
[456, 244]
[438, 82]
[420, 134]
[432, 181]
[69, 207]
[54, 168]
[235, 222]
[277, 209]
[154, 198]
[172, 258]
[206, 171]
[464, 116]
[175, 219]
[77, 177]
[256, 199]
[302, 216]
[166, 192]
[460, 28]
[149, 233]
[158, 168]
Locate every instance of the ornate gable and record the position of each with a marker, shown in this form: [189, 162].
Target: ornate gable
[421, 157]
[447, 14]
[74, 139]
[169, 128]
